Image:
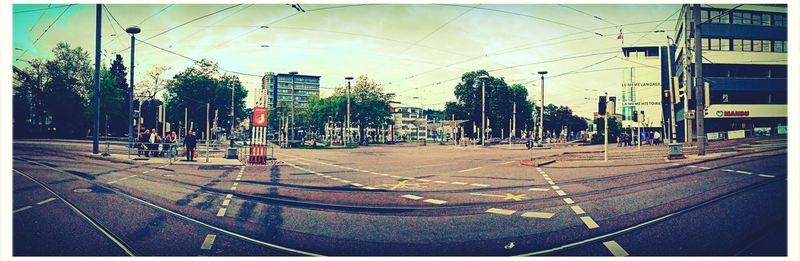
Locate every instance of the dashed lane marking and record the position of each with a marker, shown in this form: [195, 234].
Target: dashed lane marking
[233, 188]
[229, 196]
[441, 182]
[551, 182]
[728, 170]
[500, 211]
[357, 184]
[208, 242]
[744, 172]
[478, 185]
[691, 166]
[569, 201]
[766, 176]
[578, 210]
[589, 222]
[412, 197]
[556, 187]
[45, 201]
[21, 209]
[458, 183]
[539, 189]
[615, 248]
[435, 201]
[532, 214]
[425, 180]
[370, 188]
[238, 178]
[469, 169]
[226, 202]
[221, 212]
[561, 193]
[507, 162]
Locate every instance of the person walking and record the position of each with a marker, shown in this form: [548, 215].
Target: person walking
[141, 147]
[657, 137]
[190, 143]
[153, 145]
[145, 143]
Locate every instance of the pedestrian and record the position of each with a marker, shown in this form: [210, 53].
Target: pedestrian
[168, 140]
[657, 137]
[144, 141]
[189, 144]
[140, 144]
[619, 144]
[153, 139]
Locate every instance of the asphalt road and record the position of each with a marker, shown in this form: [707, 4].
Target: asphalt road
[406, 200]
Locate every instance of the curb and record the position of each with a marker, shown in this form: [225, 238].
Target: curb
[538, 163]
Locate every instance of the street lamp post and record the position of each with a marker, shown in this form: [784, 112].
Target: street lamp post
[133, 30]
[347, 124]
[541, 109]
[483, 107]
[292, 130]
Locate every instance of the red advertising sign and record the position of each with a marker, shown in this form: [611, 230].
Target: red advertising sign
[260, 117]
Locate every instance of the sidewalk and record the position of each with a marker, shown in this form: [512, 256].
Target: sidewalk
[123, 158]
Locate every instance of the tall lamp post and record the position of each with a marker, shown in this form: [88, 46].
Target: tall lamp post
[541, 110]
[483, 79]
[292, 130]
[347, 123]
[133, 30]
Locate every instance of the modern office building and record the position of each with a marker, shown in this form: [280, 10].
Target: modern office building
[290, 88]
[408, 122]
[644, 81]
[744, 63]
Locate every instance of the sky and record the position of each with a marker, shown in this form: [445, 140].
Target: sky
[418, 50]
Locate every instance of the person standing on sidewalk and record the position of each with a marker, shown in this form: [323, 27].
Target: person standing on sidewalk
[190, 143]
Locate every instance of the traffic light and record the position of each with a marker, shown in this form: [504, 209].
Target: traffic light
[635, 116]
[601, 106]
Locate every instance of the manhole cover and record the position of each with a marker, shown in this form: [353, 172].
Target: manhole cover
[82, 190]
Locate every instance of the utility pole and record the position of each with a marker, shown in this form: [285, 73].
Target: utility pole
[133, 30]
[605, 128]
[673, 98]
[186, 121]
[208, 135]
[687, 125]
[541, 110]
[349, 78]
[483, 108]
[95, 132]
[292, 129]
[639, 131]
[698, 81]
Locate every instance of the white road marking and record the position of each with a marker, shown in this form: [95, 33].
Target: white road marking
[556, 187]
[561, 193]
[487, 195]
[532, 214]
[384, 174]
[412, 197]
[547, 178]
[370, 188]
[357, 184]
[744, 172]
[226, 202]
[440, 182]
[21, 209]
[704, 167]
[537, 168]
[345, 181]
[569, 201]
[501, 211]
[458, 183]
[236, 184]
[578, 210]
[221, 212]
[148, 171]
[410, 178]
[478, 185]
[425, 180]
[545, 175]
[589, 222]
[45, 201]
[470, 169]
[208, 242]
[691, 166]
[435, 201]
[238, 179]
[507, 162]
[397, 177]
[766, 176]
[229, 196]
[233, 188]
[728, 170]
[539, 189]
[615, 248]
[551, 182]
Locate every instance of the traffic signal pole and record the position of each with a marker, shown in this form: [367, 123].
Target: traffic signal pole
[605, 128]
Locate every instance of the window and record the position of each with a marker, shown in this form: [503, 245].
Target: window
[756, 19]
[766, 46]
[746, 18]
[737, 17]
[756, 45]
[703, 15]
[747, 46]
[715, 44]
[738, 44]
[724, 18]
[779, 20]
[765, 19]
[705, 43]
[725, 44]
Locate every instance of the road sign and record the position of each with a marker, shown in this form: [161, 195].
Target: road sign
[260, 116]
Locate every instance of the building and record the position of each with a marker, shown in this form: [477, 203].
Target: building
[644, 80]
[409, 123]
[744, 65]
[290, 88]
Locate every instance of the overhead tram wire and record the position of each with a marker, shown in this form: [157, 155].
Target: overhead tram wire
[111, 15]
[42, 9]
[156, 14]
[656, 27]
[588, 14]
[185, 23]
[194, 60]
[439, 28]
[43, 33]
[192, 35]
[38, 20]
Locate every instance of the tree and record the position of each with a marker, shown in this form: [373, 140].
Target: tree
[499, 103]
[153, 83]
[66, 92]
[614, 129]
[110, 99]
[119, 123]
[369, 106]
[29, 111]
[201, 84]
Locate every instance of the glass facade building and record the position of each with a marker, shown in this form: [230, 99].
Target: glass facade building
[287, 89]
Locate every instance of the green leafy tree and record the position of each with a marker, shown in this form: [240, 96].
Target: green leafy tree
[119, 125]
[204, 83]
[110, 99]
[66, 92]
